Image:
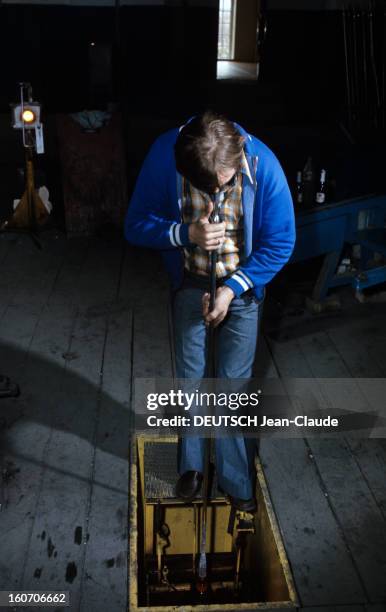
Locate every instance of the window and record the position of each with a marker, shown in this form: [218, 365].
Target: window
[225, 49]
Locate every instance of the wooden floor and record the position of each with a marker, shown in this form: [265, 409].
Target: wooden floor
[78, 321]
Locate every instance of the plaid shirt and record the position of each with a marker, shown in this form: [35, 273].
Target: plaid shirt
[229, 254]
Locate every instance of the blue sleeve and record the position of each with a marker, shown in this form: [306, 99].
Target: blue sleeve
[274, 242]
[148, 221]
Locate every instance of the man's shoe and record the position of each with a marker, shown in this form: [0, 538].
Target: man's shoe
[245, 505]
[188, 485]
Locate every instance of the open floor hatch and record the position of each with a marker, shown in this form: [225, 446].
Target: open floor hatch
[248, 568]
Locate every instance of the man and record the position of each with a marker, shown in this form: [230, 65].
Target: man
[170, 210]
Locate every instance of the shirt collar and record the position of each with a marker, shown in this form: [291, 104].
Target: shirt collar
[244, 167]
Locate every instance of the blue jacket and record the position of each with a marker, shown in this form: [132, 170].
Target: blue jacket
[154, 219]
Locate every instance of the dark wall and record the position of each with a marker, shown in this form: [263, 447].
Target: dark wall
[164, 58]
[151, 45]
[164, 69]
[304, 52]
[164, 61]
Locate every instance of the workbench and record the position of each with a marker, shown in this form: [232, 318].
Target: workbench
[324, 230]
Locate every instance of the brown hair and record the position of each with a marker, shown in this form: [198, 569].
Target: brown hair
[208, 144]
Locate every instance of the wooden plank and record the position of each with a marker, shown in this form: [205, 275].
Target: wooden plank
[56, 337]
[69, 455]
[352, 502]
[24, 302]
[288, 357]
[354, 348]
[323, 360]
[98, 282]
[144, 277]
[148, 288]
[152, 351]
[27, 270]
[363, 349]
[323, 569]
[104, 577]
[37, 339]
[5, 247]
[264, 366]
[368, 391]
[322, 564]
[67, 463]
[26, 442]
[371, 460]
[38, 267]
[66, 285]
[358, 515]
[321, 357]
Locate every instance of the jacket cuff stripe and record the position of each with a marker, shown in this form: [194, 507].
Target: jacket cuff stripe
[177, 229]
[241, 281]
[171, 234]
[245, 277]
[175, 234]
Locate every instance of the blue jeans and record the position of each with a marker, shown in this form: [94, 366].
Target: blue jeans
[236, 346]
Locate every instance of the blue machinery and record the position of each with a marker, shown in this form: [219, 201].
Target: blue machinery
[325, 230]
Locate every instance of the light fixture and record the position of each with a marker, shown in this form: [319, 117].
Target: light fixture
[25, 115]
[28, 115]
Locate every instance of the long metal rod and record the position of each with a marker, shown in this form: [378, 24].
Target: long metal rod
[210, 373]
[210, 365]
[202, 564]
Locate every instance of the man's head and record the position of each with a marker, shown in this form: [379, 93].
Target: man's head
[208, 151]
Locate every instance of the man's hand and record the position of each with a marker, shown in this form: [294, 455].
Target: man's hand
[209, 236]
[224, 296]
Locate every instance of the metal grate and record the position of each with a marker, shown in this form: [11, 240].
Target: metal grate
[160, 463]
